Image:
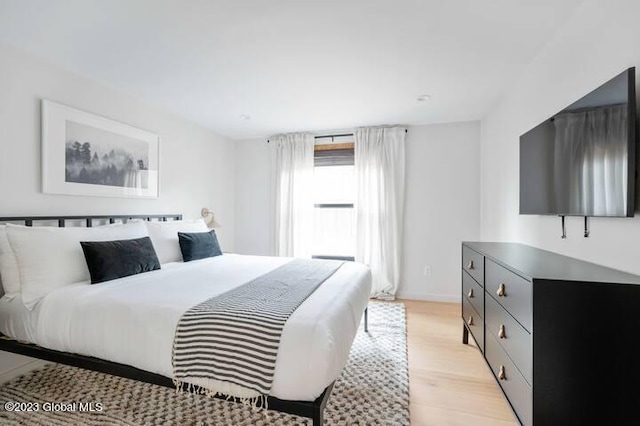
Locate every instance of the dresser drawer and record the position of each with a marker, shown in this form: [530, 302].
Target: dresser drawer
[511, 381]
[511, 291]
[474, 321]
[513, 338]
[472, 291]
[473, 263]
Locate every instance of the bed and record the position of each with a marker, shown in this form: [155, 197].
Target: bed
[126, 327]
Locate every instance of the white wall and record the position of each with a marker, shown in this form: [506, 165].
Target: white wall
[442, 205]
[196, 165]
[597, 43]
[254, 212]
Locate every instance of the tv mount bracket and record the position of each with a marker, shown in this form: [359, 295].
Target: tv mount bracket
[586, 227]
[587, 232]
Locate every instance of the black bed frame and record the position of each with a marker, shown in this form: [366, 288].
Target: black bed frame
[310, 409]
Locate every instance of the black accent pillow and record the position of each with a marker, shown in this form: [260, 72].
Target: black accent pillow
[109, 260]
[199, 245]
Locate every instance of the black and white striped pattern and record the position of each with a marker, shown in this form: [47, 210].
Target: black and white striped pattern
[234, 337]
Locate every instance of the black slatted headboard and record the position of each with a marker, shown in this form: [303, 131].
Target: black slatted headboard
[62, 220]
[88, 220]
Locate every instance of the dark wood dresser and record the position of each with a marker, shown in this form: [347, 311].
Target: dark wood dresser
[560, 335]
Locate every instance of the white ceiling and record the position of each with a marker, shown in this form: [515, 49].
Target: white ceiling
[293, 64]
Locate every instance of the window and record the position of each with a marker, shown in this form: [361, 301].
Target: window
[334, 196]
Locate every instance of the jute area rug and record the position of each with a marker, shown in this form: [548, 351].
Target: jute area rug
[372, 390]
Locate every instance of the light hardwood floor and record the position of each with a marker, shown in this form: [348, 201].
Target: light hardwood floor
[449, 383]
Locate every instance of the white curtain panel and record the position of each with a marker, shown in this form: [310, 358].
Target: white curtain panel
[380, 169]
[293, 194]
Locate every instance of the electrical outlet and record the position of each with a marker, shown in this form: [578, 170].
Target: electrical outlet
[427, 271]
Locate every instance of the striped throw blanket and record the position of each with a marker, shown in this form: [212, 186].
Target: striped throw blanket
[228, 344]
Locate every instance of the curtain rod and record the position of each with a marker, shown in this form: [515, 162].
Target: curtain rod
[341, 135]
[333, 136]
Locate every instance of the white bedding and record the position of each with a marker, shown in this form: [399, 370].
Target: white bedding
[16, 320]
[132, 320]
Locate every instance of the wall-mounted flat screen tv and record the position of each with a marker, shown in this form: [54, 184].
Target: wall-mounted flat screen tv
[582, 161]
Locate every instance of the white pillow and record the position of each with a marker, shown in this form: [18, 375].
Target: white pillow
[9, 272]
[164, 236]
[49, 258]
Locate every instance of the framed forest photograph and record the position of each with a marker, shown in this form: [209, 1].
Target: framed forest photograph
[85, 154]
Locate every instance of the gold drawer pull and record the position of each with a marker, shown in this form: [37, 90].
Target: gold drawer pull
[502, 290]
[470, 322]
[501, 332]
[470, 295]
[501, 374]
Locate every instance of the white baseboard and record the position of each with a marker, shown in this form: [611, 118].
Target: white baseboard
[21, 369]
[430, 297]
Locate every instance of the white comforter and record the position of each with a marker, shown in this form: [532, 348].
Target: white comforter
[132, 320]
